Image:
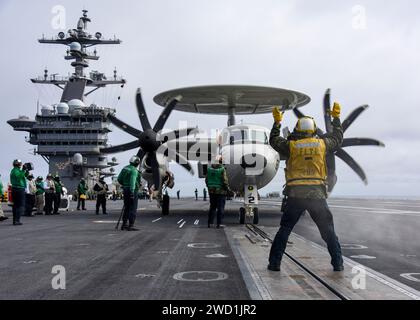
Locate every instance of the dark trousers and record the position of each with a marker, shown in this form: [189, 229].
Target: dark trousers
[320, 213]
[217, 203]
[130, 207]
[49, 200]
[101, 201]
[18, 196]
[80, 201]
[57, 200]
[29, 203]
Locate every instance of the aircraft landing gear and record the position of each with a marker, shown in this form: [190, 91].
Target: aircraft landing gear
[242, 215]
[256, 216]
[250, 209]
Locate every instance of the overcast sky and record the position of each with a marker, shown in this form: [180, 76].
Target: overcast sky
[366, 51]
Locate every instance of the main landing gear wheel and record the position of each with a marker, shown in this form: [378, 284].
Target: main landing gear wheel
[242, 215]
[256, 216]
[165, 205]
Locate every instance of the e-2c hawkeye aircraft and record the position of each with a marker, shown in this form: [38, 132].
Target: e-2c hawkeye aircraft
[250, 162]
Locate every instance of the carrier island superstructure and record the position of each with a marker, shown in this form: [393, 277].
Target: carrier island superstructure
[70, 134]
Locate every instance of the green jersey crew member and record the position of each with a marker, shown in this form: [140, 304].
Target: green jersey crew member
[18, 181]
[218, 185]
[306, 176]
[58, 193]
[130, 179]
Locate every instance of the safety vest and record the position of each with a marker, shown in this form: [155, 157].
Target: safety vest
[215, 177]
[306, 164]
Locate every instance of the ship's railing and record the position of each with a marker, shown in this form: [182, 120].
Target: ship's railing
[71, 136]
[54, 150]
[72, 125]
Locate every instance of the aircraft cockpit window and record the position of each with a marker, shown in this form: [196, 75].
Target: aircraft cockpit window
[238, 136]
[259, 136]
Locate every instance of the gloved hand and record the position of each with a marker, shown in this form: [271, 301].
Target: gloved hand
[277, 115]
[335, 113]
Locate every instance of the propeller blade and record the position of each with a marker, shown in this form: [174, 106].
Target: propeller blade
[165, 114]
[124, 126]
[176, 134]
[353, 116]
[350, 142]
[343, 155]
[327, 110]
[121, 147]
[154, 164]
[142, 111]
[298, 113]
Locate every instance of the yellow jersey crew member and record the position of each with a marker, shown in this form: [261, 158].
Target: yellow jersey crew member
[306, 177]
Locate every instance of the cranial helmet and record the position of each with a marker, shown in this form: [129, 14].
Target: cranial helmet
[306, 125]
[135, 161]
[17, 163]
[218, 159]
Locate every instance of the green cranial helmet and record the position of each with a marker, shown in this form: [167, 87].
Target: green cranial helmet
[135, 161]
[17, 163]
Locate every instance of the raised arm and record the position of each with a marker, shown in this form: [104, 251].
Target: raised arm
[277, 142]
[334, 139]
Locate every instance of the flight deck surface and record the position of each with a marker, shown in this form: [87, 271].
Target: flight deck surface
[177, 257]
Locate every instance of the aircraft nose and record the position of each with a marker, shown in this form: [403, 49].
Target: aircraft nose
[253, 161]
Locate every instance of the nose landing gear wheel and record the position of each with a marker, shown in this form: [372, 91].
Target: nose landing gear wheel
[256, 216]
[242, 215]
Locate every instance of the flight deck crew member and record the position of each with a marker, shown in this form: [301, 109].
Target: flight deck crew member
[82, 189]
[101, 188]
[130, 179]
[2, 216]
[49, 194]
[218, 185]
[39, 195]
[58, 193]
[30, 195]
[306, 176]
[196, 194]
[18, 181]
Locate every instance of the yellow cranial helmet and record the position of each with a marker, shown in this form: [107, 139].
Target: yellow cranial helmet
[306, 125]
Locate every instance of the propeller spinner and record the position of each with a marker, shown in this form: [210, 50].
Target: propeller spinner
[347, 142]
[149, 141]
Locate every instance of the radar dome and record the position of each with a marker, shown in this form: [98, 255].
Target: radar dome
[78, 159]
[75, 104]
[47, 110]
[62, 108]
[75, 46]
